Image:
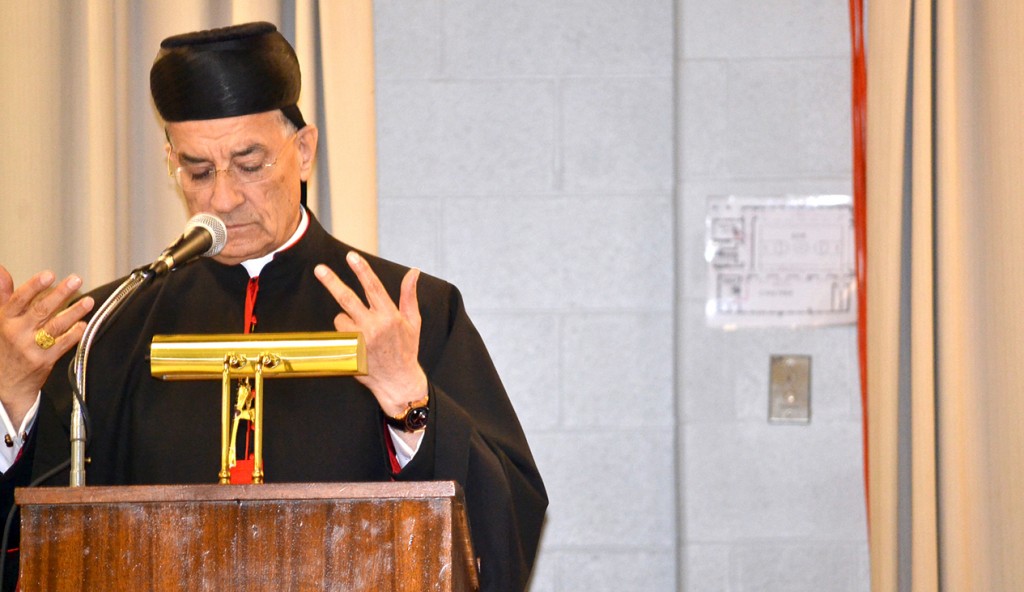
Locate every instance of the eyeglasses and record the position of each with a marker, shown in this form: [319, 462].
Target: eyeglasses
[199, 177]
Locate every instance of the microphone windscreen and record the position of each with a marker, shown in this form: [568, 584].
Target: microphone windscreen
[217, 230]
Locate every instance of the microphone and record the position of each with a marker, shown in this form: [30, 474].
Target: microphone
[205, 235]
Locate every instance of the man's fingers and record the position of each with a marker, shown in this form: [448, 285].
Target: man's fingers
[6, 285]
[346, 298]
[376, 295]
[409, 304]
[344, 324]
[46, 305]
[68, 340]
[69, 317]
[22, 297]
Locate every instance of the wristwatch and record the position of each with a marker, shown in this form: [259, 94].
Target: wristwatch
[413, 418]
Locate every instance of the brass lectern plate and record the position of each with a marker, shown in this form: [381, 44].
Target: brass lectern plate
[201, 357]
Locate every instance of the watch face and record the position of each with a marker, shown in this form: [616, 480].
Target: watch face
[417, 418]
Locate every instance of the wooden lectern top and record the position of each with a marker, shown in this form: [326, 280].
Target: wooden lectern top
[113, 494]
[286, 536]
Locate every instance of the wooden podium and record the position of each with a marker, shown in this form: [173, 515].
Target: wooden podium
[340, 536]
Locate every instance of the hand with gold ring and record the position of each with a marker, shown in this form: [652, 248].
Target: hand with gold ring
[36, 329]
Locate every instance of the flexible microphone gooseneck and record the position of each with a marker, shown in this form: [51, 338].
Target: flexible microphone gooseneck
[204, 235]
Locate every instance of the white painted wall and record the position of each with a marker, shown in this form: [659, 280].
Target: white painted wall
[552, 158]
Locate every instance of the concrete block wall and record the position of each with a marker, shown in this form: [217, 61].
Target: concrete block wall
[763, 93]
[525, 154]
[552, 158]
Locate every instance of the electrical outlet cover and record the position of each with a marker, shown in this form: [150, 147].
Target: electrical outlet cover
[789, 396]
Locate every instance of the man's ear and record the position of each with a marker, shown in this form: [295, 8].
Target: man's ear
[167, 156]
[305, 143]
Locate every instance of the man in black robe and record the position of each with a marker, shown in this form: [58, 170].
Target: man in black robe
[430, 408]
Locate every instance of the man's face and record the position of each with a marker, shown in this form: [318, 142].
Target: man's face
[262, 215]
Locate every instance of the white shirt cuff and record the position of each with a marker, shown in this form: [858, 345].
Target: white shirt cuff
[403, 451]
[8, 454]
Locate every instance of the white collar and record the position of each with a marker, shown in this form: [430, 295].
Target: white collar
[255, 266]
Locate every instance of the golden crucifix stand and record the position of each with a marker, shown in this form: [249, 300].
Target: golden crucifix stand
[253, 356]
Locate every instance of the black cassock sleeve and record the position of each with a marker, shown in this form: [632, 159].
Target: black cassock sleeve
[473, 437]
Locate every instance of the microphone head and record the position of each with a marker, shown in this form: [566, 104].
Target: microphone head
[215, 226]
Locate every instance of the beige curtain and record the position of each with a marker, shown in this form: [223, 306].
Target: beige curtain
[945, 278]
[83, 185]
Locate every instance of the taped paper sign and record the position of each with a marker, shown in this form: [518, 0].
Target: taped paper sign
[780, 261]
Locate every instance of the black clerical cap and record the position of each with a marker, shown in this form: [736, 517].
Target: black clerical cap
[226, 72]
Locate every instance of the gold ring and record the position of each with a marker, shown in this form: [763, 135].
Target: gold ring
[44, 339]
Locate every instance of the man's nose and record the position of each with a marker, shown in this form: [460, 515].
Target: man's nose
[226, 195]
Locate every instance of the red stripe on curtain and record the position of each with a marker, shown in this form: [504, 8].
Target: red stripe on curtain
[859, 120]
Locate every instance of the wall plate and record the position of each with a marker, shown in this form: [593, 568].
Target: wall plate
[789, 389]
